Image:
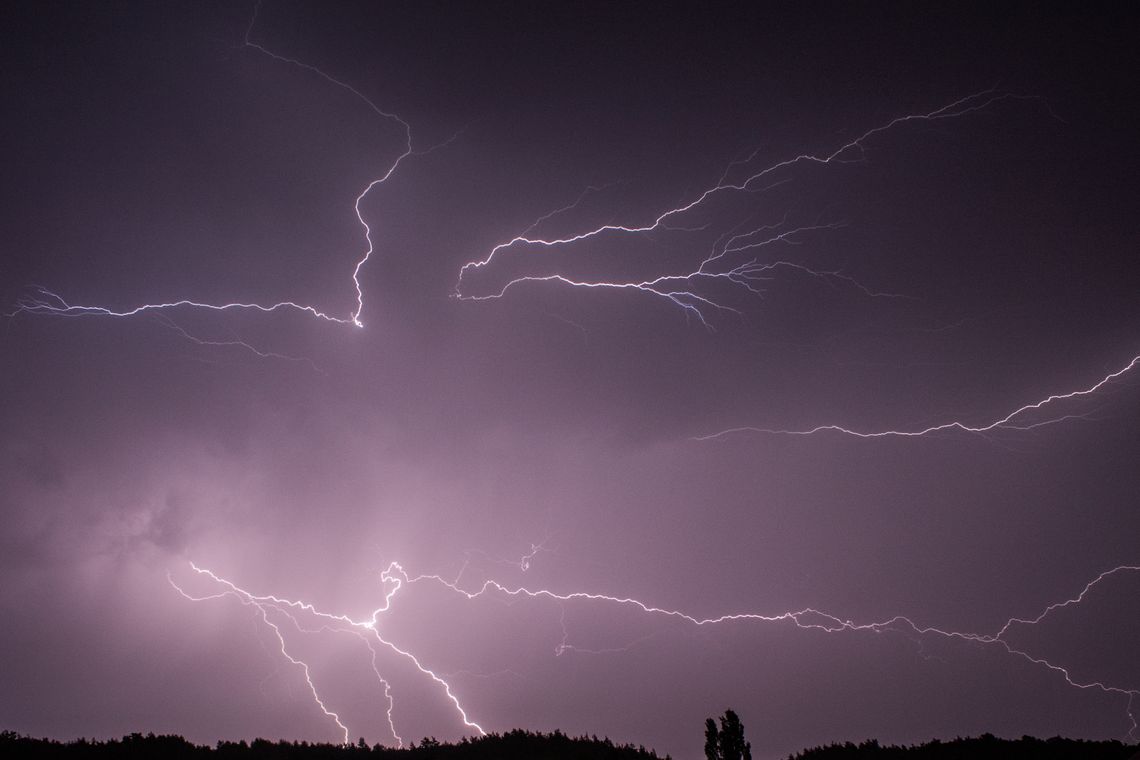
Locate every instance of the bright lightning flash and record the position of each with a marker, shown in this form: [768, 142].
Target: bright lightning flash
[44, 301]
[272, 608]
[734, 258]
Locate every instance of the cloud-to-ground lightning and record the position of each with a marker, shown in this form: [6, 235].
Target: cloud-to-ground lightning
[1015, 420]
[44, 301]
[734, 257]
[807, 618]
[366, 629]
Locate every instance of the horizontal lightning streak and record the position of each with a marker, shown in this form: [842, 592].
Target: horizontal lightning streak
[807, 618]
[680, 289]
[43, 301]
[810, 618]
[1008, 422]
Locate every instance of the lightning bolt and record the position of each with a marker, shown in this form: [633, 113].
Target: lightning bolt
[1011, 421]
[807, 618]
[367, 630]
[812, 619]
[44, 301]
[688, 289]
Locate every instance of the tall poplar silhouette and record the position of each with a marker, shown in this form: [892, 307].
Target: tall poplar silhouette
[727, 742]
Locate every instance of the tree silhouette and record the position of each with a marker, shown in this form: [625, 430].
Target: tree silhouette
[728, 742]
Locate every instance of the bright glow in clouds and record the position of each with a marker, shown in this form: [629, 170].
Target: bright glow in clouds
[367, 630]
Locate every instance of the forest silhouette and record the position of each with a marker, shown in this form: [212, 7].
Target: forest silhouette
[528, 745]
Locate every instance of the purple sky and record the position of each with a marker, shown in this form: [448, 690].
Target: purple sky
[939, 270]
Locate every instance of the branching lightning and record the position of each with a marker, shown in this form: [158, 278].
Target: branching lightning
[367, 630]
[734, 261]
[44, 301]
[807, 618]
[1015, 420]
[689, 289]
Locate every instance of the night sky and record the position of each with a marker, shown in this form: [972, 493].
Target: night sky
[528, 425]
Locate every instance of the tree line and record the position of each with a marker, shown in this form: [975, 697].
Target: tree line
[724, 740]
[512, 745]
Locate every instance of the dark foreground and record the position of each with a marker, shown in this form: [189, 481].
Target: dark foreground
[981, 748]
[525, 745]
